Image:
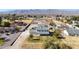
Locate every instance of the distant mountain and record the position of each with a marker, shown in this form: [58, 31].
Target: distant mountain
[43, 11]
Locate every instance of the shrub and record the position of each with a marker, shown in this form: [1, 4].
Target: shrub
[54, 43]
[1, 41]
[6, 24]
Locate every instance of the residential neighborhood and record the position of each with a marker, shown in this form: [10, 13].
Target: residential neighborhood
[39, 30]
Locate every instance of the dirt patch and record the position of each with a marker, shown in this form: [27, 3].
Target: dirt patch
[34, 44]
[28, 45]
[72, 41]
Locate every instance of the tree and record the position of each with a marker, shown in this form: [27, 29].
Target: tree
[57, 15]
[6, 24]
[7, 17]
[75, 18]
[51, 42]
[41, 16]
[0, 20]
[28, 15]
[57, 33]
[17, 28]
[54, 43]
[35, 16]
[14, 17]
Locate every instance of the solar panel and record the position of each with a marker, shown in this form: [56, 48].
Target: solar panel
[72, 31]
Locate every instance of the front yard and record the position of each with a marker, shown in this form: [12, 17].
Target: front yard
[32, 43]
[44, 42]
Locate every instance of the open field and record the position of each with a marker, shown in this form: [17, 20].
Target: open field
[30, 45]
[27, 21]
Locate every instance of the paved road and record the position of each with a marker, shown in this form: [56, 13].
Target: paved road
[24, 35]
[20, 40]
[16, 38]
[12, 39]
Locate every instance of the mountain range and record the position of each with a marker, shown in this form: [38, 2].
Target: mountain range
[43, 11]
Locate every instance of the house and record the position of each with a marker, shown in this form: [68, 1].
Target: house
[7, 29]
[73, 31]
[41, 29]
[5, 37]
[18, 23]
[2, 30]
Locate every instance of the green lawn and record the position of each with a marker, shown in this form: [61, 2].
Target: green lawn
[1, 41]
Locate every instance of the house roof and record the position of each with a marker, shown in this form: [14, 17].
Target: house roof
[72, 31]
[5, 36]
[40, 29]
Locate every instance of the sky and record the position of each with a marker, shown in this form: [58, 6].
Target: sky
[8, 5]
[39, 4]
[3, 10]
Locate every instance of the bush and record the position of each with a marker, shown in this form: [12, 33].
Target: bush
[6, 24]
[17, 28]
[77, 25]
[57, 33]
[54, 43]
[1, 41]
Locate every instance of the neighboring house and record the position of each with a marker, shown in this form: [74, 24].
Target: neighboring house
[19, 24]
[73, 31]
[75, 23]
[7, 29]
[2, 29]
[5, 37]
